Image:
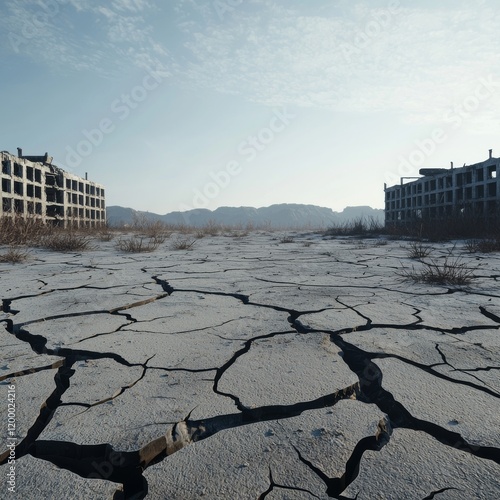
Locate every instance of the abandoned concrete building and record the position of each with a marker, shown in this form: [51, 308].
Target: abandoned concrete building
[471, 191]
[33, 186]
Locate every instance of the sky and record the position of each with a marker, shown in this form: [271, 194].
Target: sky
[181, 104]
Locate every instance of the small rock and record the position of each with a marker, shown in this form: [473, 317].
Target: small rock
[319, 432]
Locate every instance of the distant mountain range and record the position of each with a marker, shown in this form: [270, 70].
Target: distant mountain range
[286, 215]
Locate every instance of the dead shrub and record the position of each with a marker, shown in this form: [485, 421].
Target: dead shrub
[482, 245]
[14, 255]
[137, 244]
[452, 271]
[104, 233]
[356, 227]
[417, 250]
[154, 229]
[181, 243]
[66, 241]
[19, 230]
[212, 228]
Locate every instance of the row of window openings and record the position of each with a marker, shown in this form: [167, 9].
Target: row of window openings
[36, 192]
[445, 182]
[477, 208]
[34, 174]
[89, 189]
[89, 214]
[18, 205]
[469, 193]
[77, 199]
[31, 190]
[31, 207]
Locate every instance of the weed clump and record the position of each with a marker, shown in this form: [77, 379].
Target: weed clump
[138, 244]
[487, 245]
[452, 271]
[417, 250]
[181, 243]
[357, 227]
[14, 255]
[66, 241]
[17, 230]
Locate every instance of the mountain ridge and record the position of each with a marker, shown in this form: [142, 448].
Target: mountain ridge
[283, 215]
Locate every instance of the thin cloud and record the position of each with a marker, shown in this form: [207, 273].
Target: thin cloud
[419, 61]
[77, 35]
[370, 60]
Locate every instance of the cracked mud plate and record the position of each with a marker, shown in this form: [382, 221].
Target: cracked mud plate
[246, 368]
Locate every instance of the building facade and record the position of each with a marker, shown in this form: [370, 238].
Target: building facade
[32, 186]
[472, 191]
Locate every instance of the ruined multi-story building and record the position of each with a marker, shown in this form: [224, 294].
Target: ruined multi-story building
[471, 191]
[33, 186]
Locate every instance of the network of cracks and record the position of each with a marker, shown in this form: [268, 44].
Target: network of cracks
[336, 317]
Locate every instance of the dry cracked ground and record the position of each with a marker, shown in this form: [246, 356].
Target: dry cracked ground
[251, 367]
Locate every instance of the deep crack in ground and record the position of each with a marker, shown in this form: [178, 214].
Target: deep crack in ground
[129, 466]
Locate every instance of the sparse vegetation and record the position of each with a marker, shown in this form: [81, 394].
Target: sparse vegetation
[17, 230]
[66, 241]
[138, 244]
[14, 255]
[104, 233]
[417, 250]
[482, 245]
[287, 239]
[357, 227]
[452, 271]
[181, 243]
[153, 229]
[212, 228]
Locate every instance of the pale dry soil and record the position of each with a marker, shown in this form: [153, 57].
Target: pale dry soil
[249, 368]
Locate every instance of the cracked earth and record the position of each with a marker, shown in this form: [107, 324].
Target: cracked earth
[248, 368]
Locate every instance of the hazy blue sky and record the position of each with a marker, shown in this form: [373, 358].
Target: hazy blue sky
[180, 104]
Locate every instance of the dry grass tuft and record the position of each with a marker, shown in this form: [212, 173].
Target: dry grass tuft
[452, 271]
[138, 244]
[181, 243]
[17, 230]
[482, 245]
[66, 241]
[104, 233]
[359, 226]
[417, 250]
[14, 255]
